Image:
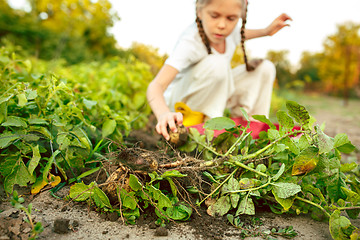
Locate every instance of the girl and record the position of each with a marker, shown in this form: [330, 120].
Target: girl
[198, 72]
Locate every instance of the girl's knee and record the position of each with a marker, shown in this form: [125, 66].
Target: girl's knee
[268, 70]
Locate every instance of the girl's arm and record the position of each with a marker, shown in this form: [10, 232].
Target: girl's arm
[155, 97]
[270, 30]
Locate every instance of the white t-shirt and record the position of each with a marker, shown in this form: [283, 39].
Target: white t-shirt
[190, 49]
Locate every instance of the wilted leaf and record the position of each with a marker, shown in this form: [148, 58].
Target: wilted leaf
[221, 207]
[306, 161]
[246, 206]
[38, 185]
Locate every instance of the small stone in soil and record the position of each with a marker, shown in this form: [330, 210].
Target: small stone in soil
[75, 223]
[113, 216]
[61, 225]
[161, 231]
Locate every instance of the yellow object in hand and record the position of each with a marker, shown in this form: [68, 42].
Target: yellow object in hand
[190, 117]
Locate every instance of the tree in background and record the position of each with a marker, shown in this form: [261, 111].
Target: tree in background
[283, 67]
[308, 72]
[70, 29]
[340, 64]
[149, 55]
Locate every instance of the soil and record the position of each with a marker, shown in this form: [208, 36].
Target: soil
[64, 220]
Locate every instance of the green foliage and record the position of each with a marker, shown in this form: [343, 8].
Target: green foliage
[51, 123]
[36, 227]
[70, 30]
[167, 205]
[298, 170]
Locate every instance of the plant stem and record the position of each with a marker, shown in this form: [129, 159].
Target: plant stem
[251, 189]
[241, 138]
[348, 208]
[314, 204]
[218, 187]
[240, 164]
[257, 153]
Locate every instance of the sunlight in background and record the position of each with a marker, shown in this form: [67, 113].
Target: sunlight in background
[159, 23]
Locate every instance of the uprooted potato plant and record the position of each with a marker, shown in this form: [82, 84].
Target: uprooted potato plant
[297, 171]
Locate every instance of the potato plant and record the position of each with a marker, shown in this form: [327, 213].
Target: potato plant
[55, 123]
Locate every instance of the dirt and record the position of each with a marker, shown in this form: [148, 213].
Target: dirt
[64, 220]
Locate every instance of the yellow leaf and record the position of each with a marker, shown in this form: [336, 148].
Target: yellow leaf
[38, 185]
[305, 162]
[54, 180]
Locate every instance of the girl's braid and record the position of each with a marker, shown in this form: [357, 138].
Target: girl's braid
[203, 36]
[242, 32]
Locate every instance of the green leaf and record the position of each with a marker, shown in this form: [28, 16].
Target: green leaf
[219, 123]
[220, 207]
[343, 144]
[246, 206]
[264, 119]
[89, 104]
[325, 143]
[172, 173]
[351, 196]
[163, 201]
[134, 183]
[179, 212]
[289, 142]
[298, 112]
[286, 203]
[338, 225]
[273, 134]
[128, 199]
[7, 138]
[80, 192]
[285, 120]
[279, 173]
[21, 99]
[108, 127]
[20, 176]
[37, 121]
[286, 190]
[88, 173]
[31, 94]
[49, 164]
[34, 162]
[14, 121]
[100, 198]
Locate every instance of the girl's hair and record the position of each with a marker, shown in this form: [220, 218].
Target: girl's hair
[204, 38]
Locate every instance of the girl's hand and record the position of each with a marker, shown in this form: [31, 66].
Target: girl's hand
[168, 119]
[278, 24]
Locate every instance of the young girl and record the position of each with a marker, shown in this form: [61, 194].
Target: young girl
[198, 72]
